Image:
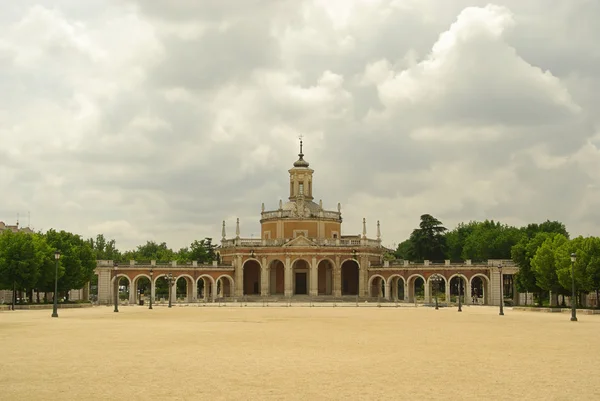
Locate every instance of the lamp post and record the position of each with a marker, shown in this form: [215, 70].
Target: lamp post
[573, 298]
[170, 284]
[116, 289]
[459, 292]
[436, 279]
[151, 281]
[501, 291]
[55, 307]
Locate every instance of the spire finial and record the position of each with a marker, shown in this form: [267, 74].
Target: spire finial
[301, 162]
[300, 137]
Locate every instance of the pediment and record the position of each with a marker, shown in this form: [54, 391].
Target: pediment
[300, 241]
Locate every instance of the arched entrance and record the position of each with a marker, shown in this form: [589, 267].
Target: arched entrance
[325, 277]
[396, 285]
[455, 281]
[183, 289]
[251, 277]
[437, 287]
[224, 286]
[141, 284]
[350, 271]
[204, 286]
[377, 287]
[123, 284]
[479, 290]
[416, 288]
[276, 278]
[300, 277]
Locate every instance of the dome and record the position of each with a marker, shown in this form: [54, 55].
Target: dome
[312, 206]
[301, 162]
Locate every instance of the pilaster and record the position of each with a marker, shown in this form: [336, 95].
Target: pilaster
[314, 278]
[288, 277]
[264, 277]
[337, 278]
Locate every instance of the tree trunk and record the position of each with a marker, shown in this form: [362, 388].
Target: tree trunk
[38, 296]
[66, 296]
[597, 298]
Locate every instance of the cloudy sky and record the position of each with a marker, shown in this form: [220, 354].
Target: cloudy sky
[156, 120]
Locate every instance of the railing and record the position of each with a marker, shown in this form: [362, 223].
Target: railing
[344, 242]
[274, 214]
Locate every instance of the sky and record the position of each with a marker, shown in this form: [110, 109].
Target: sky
[154, 120]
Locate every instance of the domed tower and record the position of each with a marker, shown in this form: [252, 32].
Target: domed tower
[300, 216]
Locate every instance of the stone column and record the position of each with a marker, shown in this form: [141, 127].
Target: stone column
[427, 294]
[174, 292]
[264, 277]
[287, 277]
[152, 290]
[314, 278]
[104, 287]
[194, 290]
[337, 278]
[388, 295]
[132, 293]
[447, 288]
[362, 281]
[239, 276]
[405, 291]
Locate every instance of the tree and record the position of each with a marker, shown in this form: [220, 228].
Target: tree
[103, 249]
[585, 271]
[19, 261]
[455, 239]
[405, 250]
[428, 241]
[203, 251]
[77, 258]
[544, 263]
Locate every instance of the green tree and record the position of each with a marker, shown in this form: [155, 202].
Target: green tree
[405, 251]
[21, 260]
[544, 263]
[77, 258]
[103, 249]
[203, 251]
[428, 241]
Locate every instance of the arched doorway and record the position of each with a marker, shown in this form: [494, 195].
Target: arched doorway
[300, 277]
[416, 288]
[479, 293]
[377, 287]
[123, 284]
[455, 281]
[325, 277]
[225, 286]
[276, 278]
[437, 287]
[141, 284]
[350, 271]
[183, 289]
[251, 277]
[396, 284]
[204, 286]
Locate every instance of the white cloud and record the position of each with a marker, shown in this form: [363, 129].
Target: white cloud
[144, 120]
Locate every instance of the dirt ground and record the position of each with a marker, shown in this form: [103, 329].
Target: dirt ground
[297, 353]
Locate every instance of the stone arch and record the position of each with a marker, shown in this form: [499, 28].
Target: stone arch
[136, 286]
[413, 281]
[433, 291]
[225, 286]
[276, 277]
[252, 270]
[119, 277]
[396, 285]
[479, 287]
[325, 268]
[300, 276]
[350, 272]
[376, 286]
[453, 282]
[188, 294]
[204, 286]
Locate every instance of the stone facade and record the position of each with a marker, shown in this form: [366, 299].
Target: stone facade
[303, 254]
